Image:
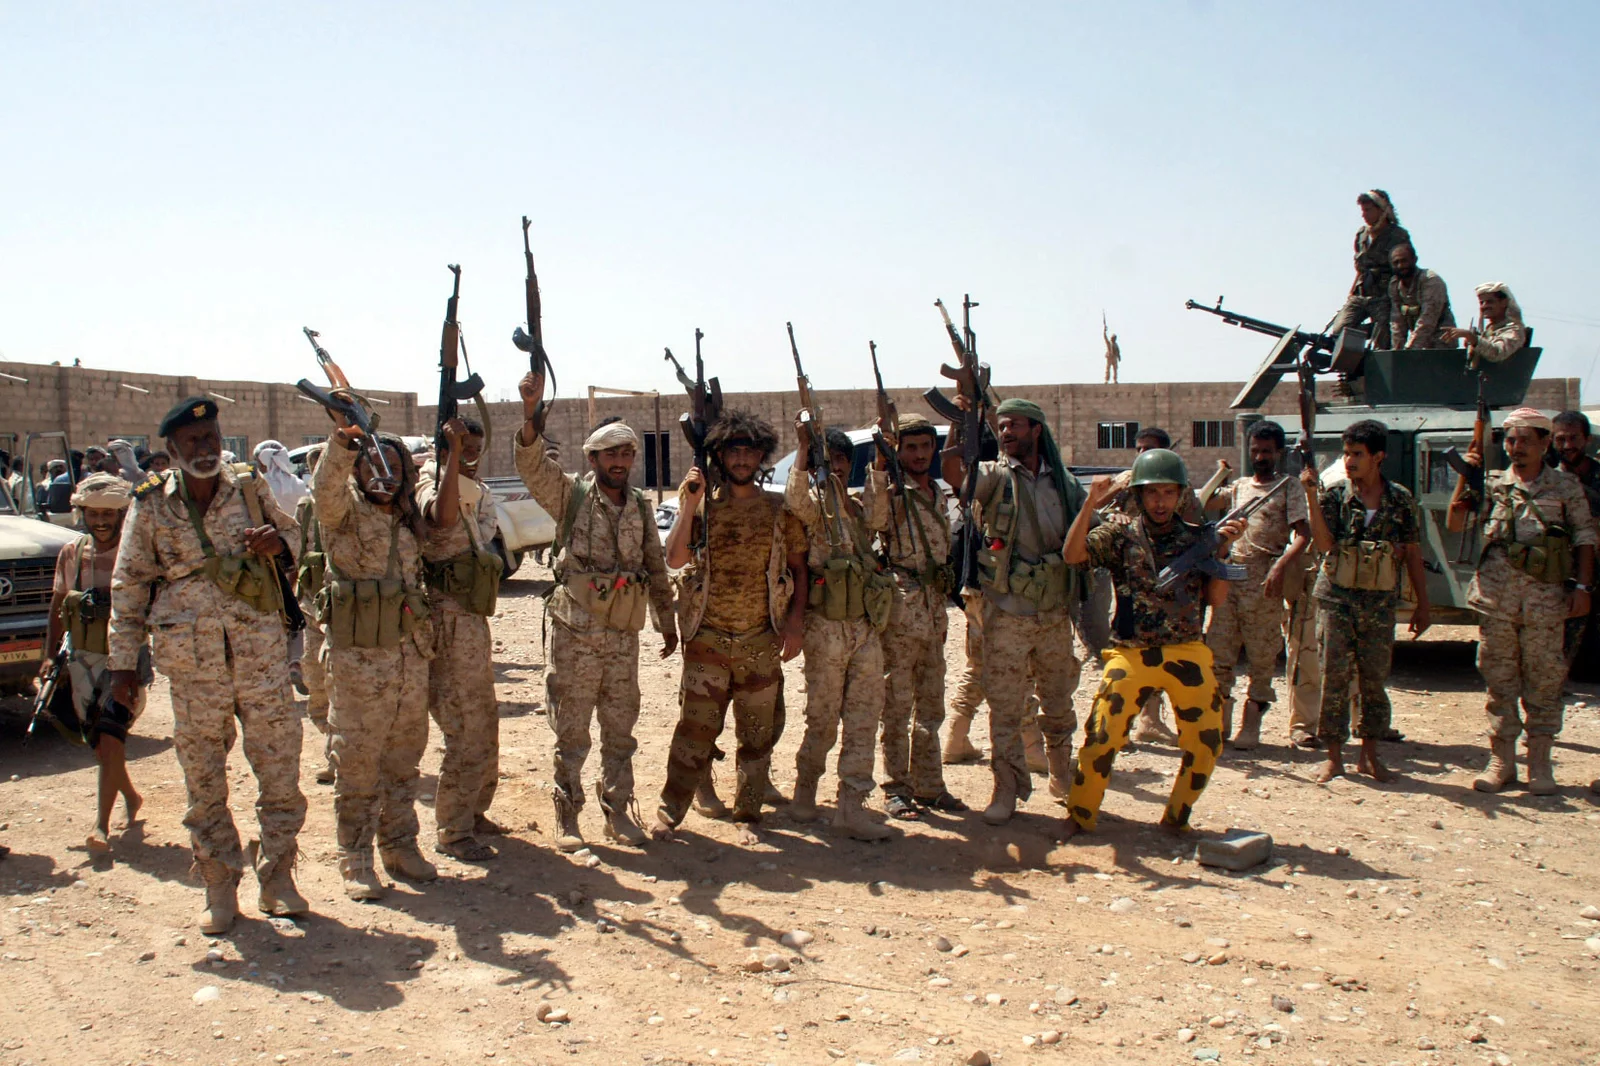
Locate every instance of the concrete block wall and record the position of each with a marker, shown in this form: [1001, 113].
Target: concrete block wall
[95, 405]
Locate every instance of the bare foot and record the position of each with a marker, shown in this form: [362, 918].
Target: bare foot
[745, 835]
[131, 802]
[1331, 771]
[1070, 828]
[1370, 764]
[99, 842]
[660, 830]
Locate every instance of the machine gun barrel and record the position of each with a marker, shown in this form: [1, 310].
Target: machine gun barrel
[1319, 341]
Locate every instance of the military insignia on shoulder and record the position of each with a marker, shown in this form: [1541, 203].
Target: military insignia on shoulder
[151, 483]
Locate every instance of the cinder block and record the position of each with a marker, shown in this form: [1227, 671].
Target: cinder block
[1237, 849]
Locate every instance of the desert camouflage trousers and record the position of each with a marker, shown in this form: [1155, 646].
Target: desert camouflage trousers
[913, 702]
[593, 675]
[969, 686]
[1356, 644]
[1303, 673]
[1521, 662]
[462, 702]
[1184, 673]
[720, 669]
[314, 672]
[844, 701]
[1024, 654]
[1250, 620]
[222, 671]
[378, 721]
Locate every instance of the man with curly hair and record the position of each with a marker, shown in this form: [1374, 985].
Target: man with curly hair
[742, 556]
[1378, 237]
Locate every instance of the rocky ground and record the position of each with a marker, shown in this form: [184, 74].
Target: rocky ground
[1414, 922]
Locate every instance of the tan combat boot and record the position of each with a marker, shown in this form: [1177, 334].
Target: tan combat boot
[803, 808]
[1060, 759]
[1502, 768]
[1249, 737]
[222, 900]
[621, 827]
[1541, 774]
[1003, 804]
[568, 836]
[360, 879]
[1033, 747]
[406, 863]
[707, 803]
[958, 749]
[279, 896]
[1148, 726]
[850, 818]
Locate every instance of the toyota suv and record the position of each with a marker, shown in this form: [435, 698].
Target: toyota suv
[28, 549]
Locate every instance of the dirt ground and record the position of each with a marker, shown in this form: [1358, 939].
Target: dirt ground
[1414, 922]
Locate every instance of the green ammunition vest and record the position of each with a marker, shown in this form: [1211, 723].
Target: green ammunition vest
[1547, 557]
[851, 585]
[247, 577]
[1049, 584]
[371, 612]
[87, 612]
[471, 578]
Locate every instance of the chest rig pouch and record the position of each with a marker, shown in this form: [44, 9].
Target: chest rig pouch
[247, 577]
[1546, 557]
[471, 578]
[1369, 565]
[850, 586]
[1049, 584]
[935, 575]
[312, 569]
[87, 612]
[617, 599]
[371, 612]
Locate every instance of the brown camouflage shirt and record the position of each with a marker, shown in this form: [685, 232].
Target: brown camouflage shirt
[1135, 553]
[356, 533]
[911, 539]
[1515, 510]
[447, 542]
[1266, 533]
[159, 578]
[856, 520]
[740, 550]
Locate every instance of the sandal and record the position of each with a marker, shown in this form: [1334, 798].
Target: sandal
[902, 808]
[944, 801]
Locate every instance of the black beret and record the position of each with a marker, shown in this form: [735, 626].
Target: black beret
[187, 413]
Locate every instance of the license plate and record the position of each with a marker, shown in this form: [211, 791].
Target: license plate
[22, 651]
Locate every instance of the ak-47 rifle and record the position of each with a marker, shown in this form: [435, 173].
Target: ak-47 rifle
[1469, 478]
[813, 439]
[1307, 446]
[451, 392]
[53, 701]
[889, 445]
[352, 410]
[1202, 555]
[972, 381]
[705, 399]
[532, 341]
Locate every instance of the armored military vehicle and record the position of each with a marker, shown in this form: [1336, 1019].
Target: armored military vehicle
[1429, 400]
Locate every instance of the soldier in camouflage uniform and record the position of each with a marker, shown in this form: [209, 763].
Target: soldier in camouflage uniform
[916, 545]
[848, 605]
[609, 569]
[1500, 334]
[1570, 438]
[739, 617]
[1026, 503]
[1251, 616]
[1369, 293]
[225, 650]
[313, 663]
[1538, 535]
[1419, 303]
[1156, 640]
[462, 571]
[380, 637]
[1366, 529]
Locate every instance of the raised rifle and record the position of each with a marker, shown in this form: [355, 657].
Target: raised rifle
[972, 381]
[451, 392]
[531, 341]
[813, 434]
[1202, 555]
[1307, 446]
[705, 400]
[352, 409]
[1469, 478]
[889, 446]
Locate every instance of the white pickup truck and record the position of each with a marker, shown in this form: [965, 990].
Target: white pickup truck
[524, 525]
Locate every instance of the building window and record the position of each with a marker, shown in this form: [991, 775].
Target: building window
[1114, 435]
[653, 479]
[239, 446]
[1213, 433]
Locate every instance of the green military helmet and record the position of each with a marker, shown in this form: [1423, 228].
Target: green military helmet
[1158, 466]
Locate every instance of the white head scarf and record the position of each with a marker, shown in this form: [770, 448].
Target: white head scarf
[102, 490]
[1513, 309]
[611, 435]
[272, 459]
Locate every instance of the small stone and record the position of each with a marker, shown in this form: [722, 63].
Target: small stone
[558, 1016]
[1425, 1043]
[939, 982]
[215, 955]
[208, 994]
[796, 938]
[542, 1011]
[1283, 1004]
[179, 942]
[1182, 923]
[835, 1053]
[978, 1058]
[575, 898]
[592, 861]
[654, 1019]
[1185, 1036]
[1066, 996]
[1207, 1054]
[960, 951]
[1302, 934]
[1050, 1036]
[1237, 849]
[908, 1054]
[147, 956]
[774, 961]
[994, 999]
[1263, 1042]
[1218, 1022]
[754, 966]
[1218, 959]
[1474, 1035]
[1190, 957]
[1122, 905]
[1029, 1040]
[1590, 912]
[942, 944]
[1592, 945]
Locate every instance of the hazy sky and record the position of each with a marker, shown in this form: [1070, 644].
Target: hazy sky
[186, 185]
